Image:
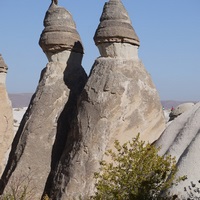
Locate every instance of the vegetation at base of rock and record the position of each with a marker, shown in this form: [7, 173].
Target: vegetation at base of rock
[46, 197]
[11, 197]
[20, 188]
[136, 172]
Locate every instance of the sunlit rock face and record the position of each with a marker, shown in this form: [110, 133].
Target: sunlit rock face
[181, 139]
[118, 102]
[41, 136]
[6, 117]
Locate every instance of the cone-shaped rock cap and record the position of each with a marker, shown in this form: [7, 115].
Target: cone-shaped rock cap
[115, 25]
[60, 31]
[3, 66]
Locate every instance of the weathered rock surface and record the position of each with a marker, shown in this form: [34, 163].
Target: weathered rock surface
[6, 117]
[55, 36]
[115, 25]
[180, 109]
[181, 139]
[40, 138]
[118, 101]
[109, 110]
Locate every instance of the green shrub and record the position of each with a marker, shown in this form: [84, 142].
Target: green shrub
[135, 172]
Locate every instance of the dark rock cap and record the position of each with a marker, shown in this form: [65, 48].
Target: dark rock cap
[115, 25]
[60, 31]
[3, 66]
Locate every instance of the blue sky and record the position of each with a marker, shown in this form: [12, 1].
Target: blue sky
[169, 33]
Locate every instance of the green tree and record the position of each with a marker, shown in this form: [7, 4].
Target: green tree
[136, 171]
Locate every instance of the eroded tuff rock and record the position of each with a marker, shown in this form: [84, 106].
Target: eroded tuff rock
[115, 25]
[180, 109]
[6, 117]
[118, 101]
[40, 138]
[55, 36]
[181, 139]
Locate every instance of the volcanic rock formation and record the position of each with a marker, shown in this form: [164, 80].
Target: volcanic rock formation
[180, 109]
[118, 101]
[181, 139]
[40, 138]
[6, 117]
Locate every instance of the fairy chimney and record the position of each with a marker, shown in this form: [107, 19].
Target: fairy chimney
[6, 117]
[118, 102]
[41, 137]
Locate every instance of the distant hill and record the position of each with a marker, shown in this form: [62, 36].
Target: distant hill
[20, 100]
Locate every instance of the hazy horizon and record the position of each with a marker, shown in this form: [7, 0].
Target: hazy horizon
[31, 93]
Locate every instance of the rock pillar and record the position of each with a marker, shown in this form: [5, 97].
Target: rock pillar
[40, 138]
[6, 117]
[118, 102]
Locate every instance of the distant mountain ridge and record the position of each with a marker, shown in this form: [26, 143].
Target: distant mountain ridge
[20, 100]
